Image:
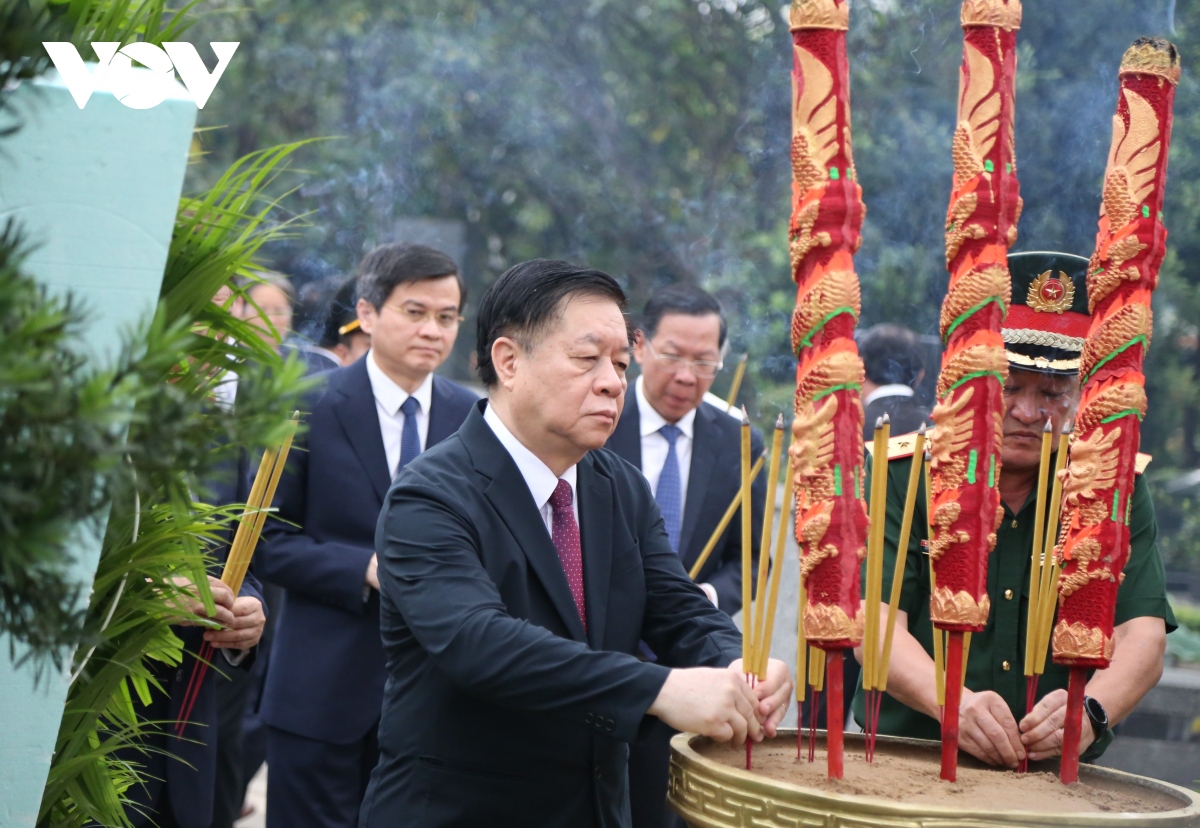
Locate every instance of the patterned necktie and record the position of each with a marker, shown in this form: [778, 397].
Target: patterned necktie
[669, 493]
[410, 438]
[566, 540]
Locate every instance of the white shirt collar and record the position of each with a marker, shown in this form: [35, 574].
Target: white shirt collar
[538, 477]
[390, 395]
[895, 390]
[652, 421]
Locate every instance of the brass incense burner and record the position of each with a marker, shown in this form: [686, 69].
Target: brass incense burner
[709, 794]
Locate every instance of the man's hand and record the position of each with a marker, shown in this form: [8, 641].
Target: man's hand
[222, 598]
[246, 628]
[1042, 729]
[987, 729]
[372, 576]
[774, 693]
[710, 701]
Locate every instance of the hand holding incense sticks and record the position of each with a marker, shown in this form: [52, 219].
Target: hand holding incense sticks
[1098, 490]
[245, 540]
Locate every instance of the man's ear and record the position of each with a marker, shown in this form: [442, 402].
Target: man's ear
[505, 353]
[639, 345]
[366, 315]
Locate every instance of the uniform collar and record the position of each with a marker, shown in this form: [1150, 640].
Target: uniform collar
[652, 421]
[390, 395]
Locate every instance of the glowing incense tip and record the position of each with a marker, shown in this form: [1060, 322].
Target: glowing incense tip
[745, 417]
[879, 423]
[885, 419]
[1049, 428]
[779, 422]
[921, 431]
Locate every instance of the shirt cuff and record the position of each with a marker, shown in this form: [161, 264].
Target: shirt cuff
[234, 657]
[711, 592]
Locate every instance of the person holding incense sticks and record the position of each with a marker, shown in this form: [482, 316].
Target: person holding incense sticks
[325, 681]
[1043, 335]
[520, 565]
[689, 452]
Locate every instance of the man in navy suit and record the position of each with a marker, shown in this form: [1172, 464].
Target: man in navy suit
[520, 565]
[690, 453]
[325, 680]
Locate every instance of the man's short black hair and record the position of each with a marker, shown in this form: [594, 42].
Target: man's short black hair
[528, 298]
[397, 263]
[891, 355]
[685, 299]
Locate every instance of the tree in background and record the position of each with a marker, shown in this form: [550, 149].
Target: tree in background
[651, 139]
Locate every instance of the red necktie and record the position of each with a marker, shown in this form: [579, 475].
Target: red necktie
[565, 533]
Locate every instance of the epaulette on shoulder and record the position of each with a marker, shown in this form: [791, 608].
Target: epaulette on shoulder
[898, 447]
[1143, 460]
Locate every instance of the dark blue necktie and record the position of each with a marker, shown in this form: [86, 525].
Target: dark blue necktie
[669, 493]
[410, 438]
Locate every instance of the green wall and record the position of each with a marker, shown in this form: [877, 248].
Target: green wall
[96, 191]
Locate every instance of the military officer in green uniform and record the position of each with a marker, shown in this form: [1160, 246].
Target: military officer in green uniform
[1043, 334]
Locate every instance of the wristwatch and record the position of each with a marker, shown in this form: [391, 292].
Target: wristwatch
[1096, 715]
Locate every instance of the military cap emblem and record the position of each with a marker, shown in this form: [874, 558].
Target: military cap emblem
[1050, 294]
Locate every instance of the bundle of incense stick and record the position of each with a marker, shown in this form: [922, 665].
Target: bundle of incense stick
[981, 224]
[1098, 490]
[245, 540]
[758, 614]
[823, 234]
[881, 672]
[873, 592]
[1043, 570]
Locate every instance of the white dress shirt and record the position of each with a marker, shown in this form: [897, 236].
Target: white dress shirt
[388, 398]
[655, 446]
[538, 477]
[894, 390]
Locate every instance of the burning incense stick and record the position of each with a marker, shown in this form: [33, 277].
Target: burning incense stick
[1036, 570]
[738, 373]
[764, 549]
[910, 505]
[747, 552]
[764, 648]
[874, 589]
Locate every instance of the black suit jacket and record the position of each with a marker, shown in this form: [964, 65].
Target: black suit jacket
[905, 414]
[713, 481]
[326, 673]
[499, 710]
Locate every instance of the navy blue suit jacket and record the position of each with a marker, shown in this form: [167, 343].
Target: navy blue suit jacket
[187, 765]
[500, 710]
[326, 673]
[713, 481]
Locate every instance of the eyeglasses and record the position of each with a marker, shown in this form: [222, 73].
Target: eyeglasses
[418, 316]
[673, 364]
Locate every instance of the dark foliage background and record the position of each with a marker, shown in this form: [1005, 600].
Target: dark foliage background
[650, 138]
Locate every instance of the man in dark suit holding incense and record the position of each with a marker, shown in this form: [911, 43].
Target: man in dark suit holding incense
[520, 565]
[325, 680]
[690, 453]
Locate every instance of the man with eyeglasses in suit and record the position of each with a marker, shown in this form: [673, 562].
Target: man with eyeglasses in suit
[325, 681]
[690, 452]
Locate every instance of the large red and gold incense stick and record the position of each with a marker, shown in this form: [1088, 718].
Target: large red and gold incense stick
[981, 225]
[1098, 486]
[827, 455]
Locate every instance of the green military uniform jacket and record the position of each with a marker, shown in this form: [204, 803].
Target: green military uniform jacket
[997, 656]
